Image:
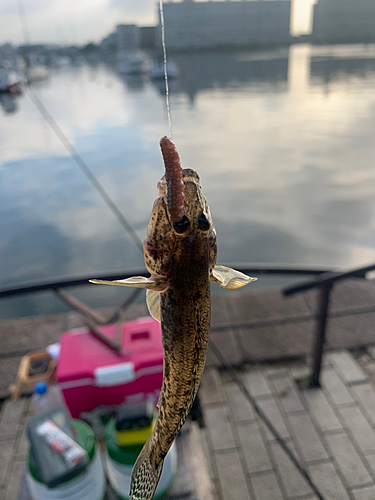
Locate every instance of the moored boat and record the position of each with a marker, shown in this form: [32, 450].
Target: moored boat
[10, 81]
[157, 70]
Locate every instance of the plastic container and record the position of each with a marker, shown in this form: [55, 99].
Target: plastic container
[45, 398]
[92, 374]
[52, 447]
[134, 423]
[89, 485]
[119, 461]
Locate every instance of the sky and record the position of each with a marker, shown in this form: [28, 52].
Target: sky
[81, 21]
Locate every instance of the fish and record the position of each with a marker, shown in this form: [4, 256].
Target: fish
[180, 253]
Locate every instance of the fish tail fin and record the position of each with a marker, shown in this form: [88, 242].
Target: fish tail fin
[145, 475]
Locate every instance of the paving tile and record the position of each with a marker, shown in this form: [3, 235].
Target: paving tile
[289, 396]
[352, 293]
[217, 421]
[274, 342]
[272, 304]
[370, 459]
[22, 444]
[347, 367]
[371, 351]
[299, 370]
[359, 427]
[276, 371]
[367, 493]
[11, 413]
[335, 387]
[253, 447]
[293, 482]
[31, 333]
[8, 374]
[307, 498]
[365, 394]
[14, 481]
[207, 453]
[6, 450]
[226, 341]
[239, 406]
[231, 476]
[266, 487]
[256, 383]
[271, 411]
[349, 462]
[308, 439]
[322, 410]
[350, 331]
[228, 345]
[328, 482]
[220, 309]
[211, 390]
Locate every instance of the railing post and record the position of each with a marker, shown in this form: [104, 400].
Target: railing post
[322, 314]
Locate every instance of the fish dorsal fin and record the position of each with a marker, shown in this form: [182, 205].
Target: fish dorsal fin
[229, 278]
[153, 304]
[136, 282]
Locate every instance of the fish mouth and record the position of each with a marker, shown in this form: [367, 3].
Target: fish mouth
[175, 184]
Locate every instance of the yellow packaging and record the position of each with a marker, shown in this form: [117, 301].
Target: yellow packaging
[132, 437]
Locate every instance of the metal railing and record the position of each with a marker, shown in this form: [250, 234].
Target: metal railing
[259, 269]
[325, 284]
[324, 279]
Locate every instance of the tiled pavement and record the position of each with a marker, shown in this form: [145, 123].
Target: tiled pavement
[13, 446]
[331, 431]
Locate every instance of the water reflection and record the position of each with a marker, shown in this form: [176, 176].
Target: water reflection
[133, 82]
[208, 70]
[330, 69]
[283, 142]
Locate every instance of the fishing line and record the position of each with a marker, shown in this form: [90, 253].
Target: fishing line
[127, 226]
[84, 167]
[165, 67]
[232, 372]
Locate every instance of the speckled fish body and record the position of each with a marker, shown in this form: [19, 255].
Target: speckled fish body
[180, 257]
[185, 260]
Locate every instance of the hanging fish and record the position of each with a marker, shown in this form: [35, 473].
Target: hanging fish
[180, 255]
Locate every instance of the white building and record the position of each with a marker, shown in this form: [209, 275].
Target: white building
[127, 37]
[190, 24]
[344, 20]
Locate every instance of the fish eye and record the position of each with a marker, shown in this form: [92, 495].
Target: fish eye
[182, 226]
[202, 222]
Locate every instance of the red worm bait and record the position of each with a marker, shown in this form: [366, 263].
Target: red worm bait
[173, 177]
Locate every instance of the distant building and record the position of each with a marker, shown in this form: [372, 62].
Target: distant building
[190, 24]
[147, 36]
[127, 37]
[344, 20]
[108, 44]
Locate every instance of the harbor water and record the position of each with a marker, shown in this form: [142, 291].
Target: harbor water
[283, 141]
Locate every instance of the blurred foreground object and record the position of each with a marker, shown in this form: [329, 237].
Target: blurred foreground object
[34, 367]
[88, 485]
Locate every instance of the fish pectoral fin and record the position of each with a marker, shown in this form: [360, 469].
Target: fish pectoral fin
[136, 282]
[153, 303]
[229, 278]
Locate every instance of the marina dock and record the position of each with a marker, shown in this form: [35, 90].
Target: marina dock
[267, 338]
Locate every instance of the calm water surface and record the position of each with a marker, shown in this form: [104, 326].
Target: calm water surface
[283, 141]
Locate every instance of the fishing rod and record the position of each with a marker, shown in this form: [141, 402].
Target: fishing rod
[84, 167]
[130, 230]
[127, 226]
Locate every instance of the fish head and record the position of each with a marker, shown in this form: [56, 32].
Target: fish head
[166, 237]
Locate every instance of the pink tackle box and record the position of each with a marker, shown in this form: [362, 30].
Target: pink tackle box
[91, 374]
